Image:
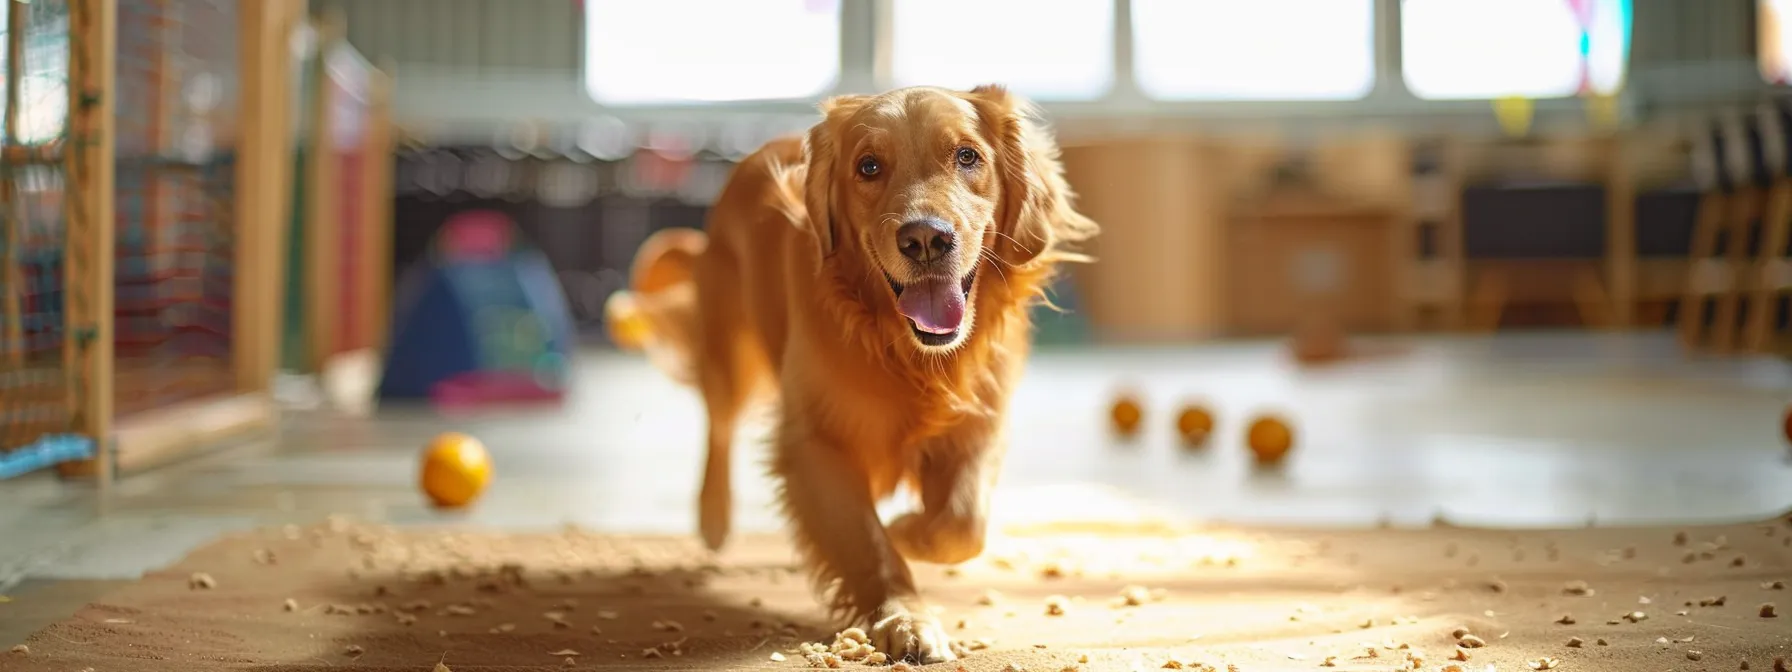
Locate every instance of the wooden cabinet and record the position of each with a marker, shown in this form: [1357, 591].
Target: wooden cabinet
[1294, 260]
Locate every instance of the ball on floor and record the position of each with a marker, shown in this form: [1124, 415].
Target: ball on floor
[1194, 423]
[1126, 414]
[1269, 439]
[456, 470]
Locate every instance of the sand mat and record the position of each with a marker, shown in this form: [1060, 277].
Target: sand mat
[341, 596]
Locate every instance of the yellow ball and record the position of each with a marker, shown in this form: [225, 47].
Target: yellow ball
[1126, 414]
[628, 326]
[1194, 424]
[1270, 439]
[456, 469]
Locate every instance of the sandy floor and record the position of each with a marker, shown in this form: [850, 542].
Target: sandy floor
[375, 598]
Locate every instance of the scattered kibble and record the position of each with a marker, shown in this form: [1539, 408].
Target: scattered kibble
[1601, 642]
[1576, 642]
[569, 662]
[1694, 655]
[201, 581]
[564, 653]
[1470, 642]
[1056, 605]
[1769, 611]
[353, 650]
[290, 605]
[1779, 664]
[989, 598]
[1578, 588]
[1459, 632]
[1680, 539]
[1636, 617]
[777, 657]
[1739, 561]
[1566, 619]
[1459, 654]
[1134, 596]
[1774, 585]
[21, 650]
[1544, 663]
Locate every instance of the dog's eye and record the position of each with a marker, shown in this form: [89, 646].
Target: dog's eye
[967, 157]
[868, 167]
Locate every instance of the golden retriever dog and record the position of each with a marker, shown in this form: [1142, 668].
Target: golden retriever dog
[875, 279]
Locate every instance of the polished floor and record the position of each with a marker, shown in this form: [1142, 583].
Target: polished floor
[1516, 430]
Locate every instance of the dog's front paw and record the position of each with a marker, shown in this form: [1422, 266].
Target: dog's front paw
[912, 634]
[945, 541]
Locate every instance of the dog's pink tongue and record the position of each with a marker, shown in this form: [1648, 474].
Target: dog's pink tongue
[936, 306]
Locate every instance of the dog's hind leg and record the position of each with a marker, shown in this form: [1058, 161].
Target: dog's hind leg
[726, 383]
[732, 370]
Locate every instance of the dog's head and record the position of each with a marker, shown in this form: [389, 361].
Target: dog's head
[930, 191]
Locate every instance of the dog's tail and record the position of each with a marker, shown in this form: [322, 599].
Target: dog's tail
[657, 314]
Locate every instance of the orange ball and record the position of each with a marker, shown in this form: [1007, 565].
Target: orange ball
[1194, 423]
[1270, 439]
[1126, 415]
[456, 469]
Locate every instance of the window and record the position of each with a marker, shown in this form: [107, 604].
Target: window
[43, 86]
[1065, 52]
[1457, 49]
[1775, 56]
[1256, 50]
[680, 51]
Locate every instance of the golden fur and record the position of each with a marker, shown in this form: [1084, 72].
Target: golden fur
[792, 296]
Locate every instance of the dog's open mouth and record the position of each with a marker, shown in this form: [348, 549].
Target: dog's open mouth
[935, 307]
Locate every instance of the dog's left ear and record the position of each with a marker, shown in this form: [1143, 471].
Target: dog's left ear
[1037, 220]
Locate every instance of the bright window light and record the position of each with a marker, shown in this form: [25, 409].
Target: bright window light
[1775, 41]
[1061, 50]
[43, 90]
[1471, 49]
[700, 51]
[1256, 50]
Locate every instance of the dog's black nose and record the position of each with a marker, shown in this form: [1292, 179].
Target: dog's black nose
[925, 240]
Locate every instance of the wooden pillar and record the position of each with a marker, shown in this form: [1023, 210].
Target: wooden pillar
[88, 254]
[12, 211]
[1620, 233]
[376, 204]
[263, 176]
[322, 238]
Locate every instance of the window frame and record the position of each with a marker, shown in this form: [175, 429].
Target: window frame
[865, 67]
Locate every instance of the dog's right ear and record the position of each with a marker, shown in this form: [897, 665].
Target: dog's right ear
[822, 152]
